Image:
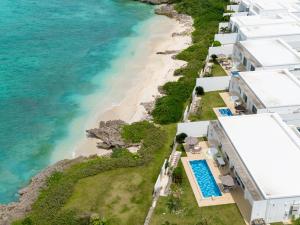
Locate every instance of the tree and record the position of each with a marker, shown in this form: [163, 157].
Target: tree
[199, 90]
[180, 138]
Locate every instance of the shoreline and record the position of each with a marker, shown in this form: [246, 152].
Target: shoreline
[160, 66]
[129, 107]
[141, 88]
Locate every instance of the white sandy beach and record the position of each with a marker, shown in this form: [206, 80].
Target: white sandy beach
[143, 71]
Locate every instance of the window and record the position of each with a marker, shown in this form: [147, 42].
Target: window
[245, 98]
[254, 109]
[252, 68]
[239, 181]
[245, 61]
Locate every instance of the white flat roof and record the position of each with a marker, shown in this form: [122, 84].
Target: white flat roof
[269, 5]
[271, 52]
[274, 88]
[261, 20]
[271, 30]
[270, 151]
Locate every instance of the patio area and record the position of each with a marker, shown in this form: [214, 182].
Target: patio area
[234, 195]
[229, 102]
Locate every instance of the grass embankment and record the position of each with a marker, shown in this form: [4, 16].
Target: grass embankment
[208, 101]
[118, 189]
[206, 14]
[189, 213]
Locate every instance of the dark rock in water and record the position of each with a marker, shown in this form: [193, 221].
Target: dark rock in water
[109, 133]
[29, 194]
[155, 2]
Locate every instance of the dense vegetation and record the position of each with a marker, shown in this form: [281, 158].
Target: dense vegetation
[51, 206]
[181, 208]
[206, 14]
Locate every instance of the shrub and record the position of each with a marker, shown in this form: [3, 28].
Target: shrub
[199, 91]
[226, 18]
[168, 109]
[180, 138]
[178, 175]
[214, 57]
[173, 204]
[121, 153]
[135, 132]
[216, 43]
[206, 15]
[296, 222]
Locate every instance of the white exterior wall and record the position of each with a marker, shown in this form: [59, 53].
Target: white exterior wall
[258, 209]
[233, 7]
[225, 49]
[229, 38]
[248, 196]
[274, 210]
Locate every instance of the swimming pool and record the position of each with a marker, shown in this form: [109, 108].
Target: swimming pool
[225, 112]
[205, 179]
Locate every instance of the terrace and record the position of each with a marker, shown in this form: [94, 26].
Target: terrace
[234, 195]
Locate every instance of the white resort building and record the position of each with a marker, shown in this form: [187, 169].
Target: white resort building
[269, 7]
[263, 155]
[251, 55]
[268, 91]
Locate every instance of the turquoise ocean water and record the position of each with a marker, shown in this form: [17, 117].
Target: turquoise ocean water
[50, 51]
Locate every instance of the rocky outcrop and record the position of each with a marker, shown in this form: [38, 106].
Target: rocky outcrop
[155, 2]
[29, 194]
[109, 134]
[169, 11]
[168, 52]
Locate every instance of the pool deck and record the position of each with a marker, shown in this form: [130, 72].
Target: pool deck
[229, 104]
[226, 198]
[234, 196]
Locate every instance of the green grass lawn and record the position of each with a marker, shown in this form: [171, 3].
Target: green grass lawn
[122, 196]
[190, 213]
[217, 70]
[208, 101]
[118, 189]
[277, 223]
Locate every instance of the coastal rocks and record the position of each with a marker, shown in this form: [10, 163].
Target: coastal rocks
[169, 11]
[155, 2]
[168, 52]
[109, 133]
[29, 194]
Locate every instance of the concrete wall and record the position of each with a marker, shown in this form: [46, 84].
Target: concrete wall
[225, 49]
[213, 83]
[275, 210]
[193, 129]
[233, 7]
[229, 38]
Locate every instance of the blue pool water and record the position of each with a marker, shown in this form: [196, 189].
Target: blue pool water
[205, 179]
[225, 112]
[51, 54]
